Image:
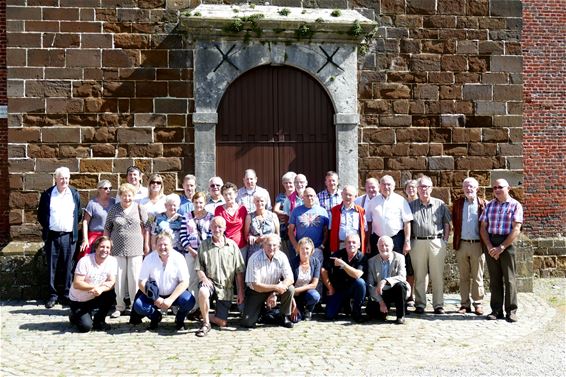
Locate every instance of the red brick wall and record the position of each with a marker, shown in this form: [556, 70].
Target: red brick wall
[4, 224]
[544, 119]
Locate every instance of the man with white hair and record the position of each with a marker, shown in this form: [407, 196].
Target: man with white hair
[500, 226]
[430, 230]
[372, 186]
[59, 213]
[215, 198]
[466, 212]
[246, 194]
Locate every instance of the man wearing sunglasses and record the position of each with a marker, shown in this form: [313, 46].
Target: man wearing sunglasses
[500, 226]
[215, 198]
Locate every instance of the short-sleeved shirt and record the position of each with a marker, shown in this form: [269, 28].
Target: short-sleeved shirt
[97, 214]
[95, 274]
[500, 216]
[310, 222]
[234, 224]
[338, 277]
[388, 215]
[314, 269]
[211, 205]
[220, 264]
[328, 200]
[262, 270]
[429, 220]
[153, 209]
[167, 277]
[246, 197]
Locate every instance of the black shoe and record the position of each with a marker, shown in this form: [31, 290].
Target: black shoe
[180, 326]
[419, 310]
[439, 310]
[101, 326]
[155, 321]
[400, 320]
[72, 319]
[511, 317]
[64, 301]
[307, 315]
[51, 302]
[358, 318]
[286, 322]
[135, 320]
[494, 315]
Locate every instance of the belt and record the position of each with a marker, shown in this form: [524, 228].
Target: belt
[471, 241]
[429, 237]
[58, 234]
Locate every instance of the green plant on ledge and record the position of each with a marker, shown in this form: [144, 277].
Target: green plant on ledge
[356, 30]
[305, 31]
[336, 13]
[248, 23]
[284, 12]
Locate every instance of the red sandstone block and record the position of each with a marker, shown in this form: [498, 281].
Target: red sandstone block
[15, 57]
[80, 3]
[87, 14]
[83, 58]
[154, 58]
[61, 40]
[119, 89]
[63, 73]
[24, 135]
[64, 105]
[81, 27]
[125, 40]
[22, 13]
[41, 26]
[42, 88]
[140, 105]
[61, 135]
[43, 58]
[26, 105]
[47, 3]
[119, 58]
[60, 14]
[24, 39]
[96, 40]
[151, 88]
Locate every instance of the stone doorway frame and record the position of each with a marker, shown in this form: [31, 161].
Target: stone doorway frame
[329, 55]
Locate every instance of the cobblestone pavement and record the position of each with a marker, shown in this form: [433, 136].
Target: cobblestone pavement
[37, 341]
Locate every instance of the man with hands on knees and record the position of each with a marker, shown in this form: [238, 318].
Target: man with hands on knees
[342, 276]
[268, 275]
[218, 264]
[387, 282]
[163, 282]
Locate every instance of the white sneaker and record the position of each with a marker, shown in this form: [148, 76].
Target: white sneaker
[115, 314]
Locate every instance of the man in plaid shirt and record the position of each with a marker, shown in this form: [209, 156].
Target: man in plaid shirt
[500, 226]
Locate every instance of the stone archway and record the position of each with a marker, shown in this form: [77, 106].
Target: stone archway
[330, 57]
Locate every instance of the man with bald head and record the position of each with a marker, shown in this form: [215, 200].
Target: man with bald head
[309, 220]
[500, 226]
[347, 218]
[372, 187]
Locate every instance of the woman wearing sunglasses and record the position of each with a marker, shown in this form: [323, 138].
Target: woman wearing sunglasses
[94, 216]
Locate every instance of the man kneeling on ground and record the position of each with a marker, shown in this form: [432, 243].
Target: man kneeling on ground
[387, 282]
[268, 275]
[92, 292]
[219, 263]
[163, 282]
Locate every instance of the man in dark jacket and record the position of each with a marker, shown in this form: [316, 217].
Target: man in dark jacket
[59, 214]
[466, 212]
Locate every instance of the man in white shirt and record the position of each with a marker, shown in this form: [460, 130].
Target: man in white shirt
[246, 194]
[59, 213]
[214, 198]
[134, 177]
[372, 186]
[163, 282]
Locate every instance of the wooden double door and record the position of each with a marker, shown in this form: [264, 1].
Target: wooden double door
[274, 119]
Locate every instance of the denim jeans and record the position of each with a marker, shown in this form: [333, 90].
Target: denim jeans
[145, 307]
[356, 291]
[307, 300]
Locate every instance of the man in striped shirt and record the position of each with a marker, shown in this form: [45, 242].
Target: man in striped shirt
[268, 276]
[500, 226]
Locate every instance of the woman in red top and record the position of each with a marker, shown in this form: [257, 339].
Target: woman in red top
[234, 214]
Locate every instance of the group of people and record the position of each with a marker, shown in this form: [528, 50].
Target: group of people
[145, 252]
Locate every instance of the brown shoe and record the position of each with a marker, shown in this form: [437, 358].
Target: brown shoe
[464, 309]
[478, 309]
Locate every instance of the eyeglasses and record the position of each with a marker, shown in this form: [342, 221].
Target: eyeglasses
[106, 188]
[155, 183]
[214, 185]
[424, 187]
[498, 187]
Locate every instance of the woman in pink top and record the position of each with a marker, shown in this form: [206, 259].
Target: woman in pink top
[234, 214]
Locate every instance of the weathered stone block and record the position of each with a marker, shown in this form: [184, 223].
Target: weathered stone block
[83, 58]
[441, 163]
[401, 106]
[474, 163]
[496, 134]
[514, 163]
[67, 151]
[510, 149]
[506, 63]
[380, 136]
[372, 163]
[50, 164]
[421, 6]
[507, 92]
[26, 200]
[166, 164]
[477, 92]
[119, 58]
[425, 62]
[38, 181]
[103, 150]
[451, 7]
[394, 91]
[426, 91]
[412, 134]
[479, 64]
[482, 149]
[491, 47]
[21, 165]
[452, 120]
[61, 135]
[454, 63]
[378, 106]
[64, 105]
[506, 8]
[490, 108]
[406, 163]
[119, 89]
[455, 150]
[151, 150]
[134, 135]
[84, 181]
[96, 165]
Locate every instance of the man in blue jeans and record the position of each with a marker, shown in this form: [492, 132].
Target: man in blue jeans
[342, 276]
[163, 282]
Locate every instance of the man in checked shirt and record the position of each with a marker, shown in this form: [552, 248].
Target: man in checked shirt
[500, 226]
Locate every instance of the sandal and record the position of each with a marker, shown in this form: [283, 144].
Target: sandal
[203, 330]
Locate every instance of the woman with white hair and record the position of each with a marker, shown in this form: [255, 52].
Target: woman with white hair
[259, 224]
[169, 221]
